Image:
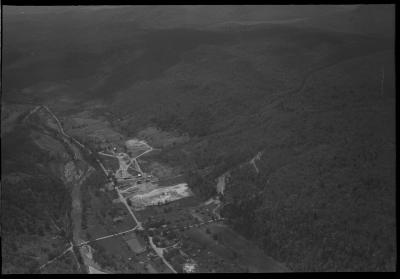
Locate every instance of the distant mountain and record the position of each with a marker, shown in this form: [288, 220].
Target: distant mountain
[364, 19]
[202, 15]
[82, 42]
[175, 16]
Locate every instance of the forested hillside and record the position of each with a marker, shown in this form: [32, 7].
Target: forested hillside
[324, 197]
[328, 160]
[314, 98]
[35, 203]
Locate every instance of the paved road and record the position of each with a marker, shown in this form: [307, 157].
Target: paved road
[121, 198]
[107, 236]
[31, 112]
[160, 253]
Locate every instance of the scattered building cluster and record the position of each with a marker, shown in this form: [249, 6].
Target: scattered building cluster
[166, 230]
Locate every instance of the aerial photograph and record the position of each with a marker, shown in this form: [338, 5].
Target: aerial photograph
[198, 139]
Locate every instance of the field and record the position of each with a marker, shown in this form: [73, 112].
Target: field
[161, 195]
[136, 147]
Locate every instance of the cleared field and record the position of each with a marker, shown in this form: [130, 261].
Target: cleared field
[161, 195]
[136, 147]
[139, 189]
[135, 243]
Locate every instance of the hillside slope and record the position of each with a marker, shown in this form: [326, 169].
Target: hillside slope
[324, 196]
[313, 108]
[323, 199]
[36, 195]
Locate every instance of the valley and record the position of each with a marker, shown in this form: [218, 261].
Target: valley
[162, 227]
[233, 140]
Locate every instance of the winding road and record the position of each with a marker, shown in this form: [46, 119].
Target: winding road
[160, 253]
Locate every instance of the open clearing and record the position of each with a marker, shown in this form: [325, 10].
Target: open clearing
[161, 195]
